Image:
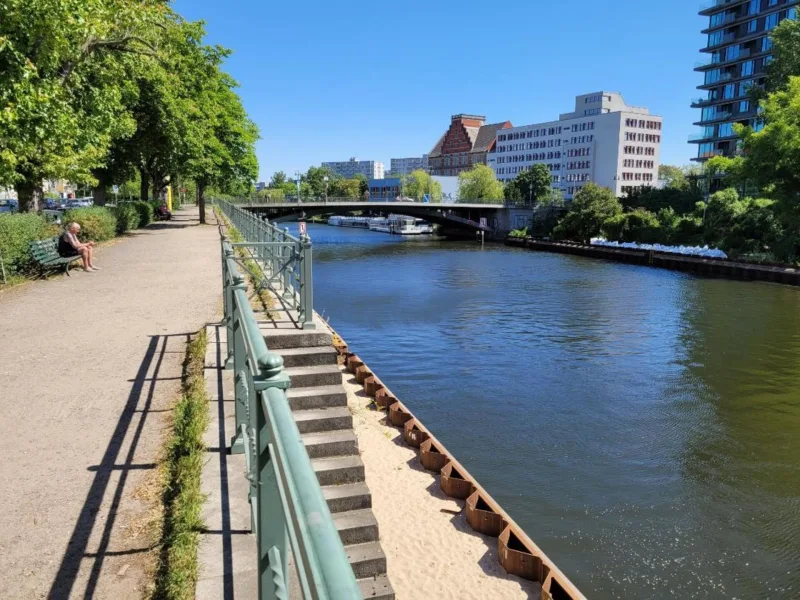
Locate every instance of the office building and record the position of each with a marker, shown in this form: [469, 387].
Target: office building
[371, 169]
[738, 51]
[603, 140]
[404, 166]
[261, 185]
[465, 144]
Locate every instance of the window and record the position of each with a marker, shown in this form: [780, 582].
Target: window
[753, 7]
[752, 26]
[744, 106]
[748, 67]
[726, 130]
[771, 21]
[766, 44]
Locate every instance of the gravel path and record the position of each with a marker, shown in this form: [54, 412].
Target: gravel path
[89, 365]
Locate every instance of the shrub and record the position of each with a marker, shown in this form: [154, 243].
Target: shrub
[639, 225]
[97, 223]
[145, 210]
[127, 217]
[518, 233]
[17, 231]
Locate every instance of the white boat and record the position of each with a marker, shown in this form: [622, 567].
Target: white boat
[337, 221]
[401, 225]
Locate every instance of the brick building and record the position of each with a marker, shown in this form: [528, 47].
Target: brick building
[465, 144]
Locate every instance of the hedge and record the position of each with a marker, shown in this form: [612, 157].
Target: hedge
[17, 231]
[145, 210]
[97, 222]
[127, 217]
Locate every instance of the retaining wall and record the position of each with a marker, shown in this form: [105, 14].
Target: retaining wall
[710, 267]
[517, 553]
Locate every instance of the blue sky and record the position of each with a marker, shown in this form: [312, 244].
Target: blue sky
[376, 80]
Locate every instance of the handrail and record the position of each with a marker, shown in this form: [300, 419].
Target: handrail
[284, 262]
[288, 509]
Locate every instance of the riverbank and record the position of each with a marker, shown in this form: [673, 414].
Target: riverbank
[710, 267]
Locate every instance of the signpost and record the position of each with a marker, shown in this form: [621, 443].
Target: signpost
[116, 189]
[302, 227]
[483, 228]
[426, 198]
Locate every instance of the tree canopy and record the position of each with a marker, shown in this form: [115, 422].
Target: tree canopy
[479, 185]
[418, 183]
[531, 185]
[591, 208]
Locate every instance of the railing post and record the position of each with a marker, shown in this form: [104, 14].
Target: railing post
[228, 303]
[290, 254]
[306, 284]
[239, 366]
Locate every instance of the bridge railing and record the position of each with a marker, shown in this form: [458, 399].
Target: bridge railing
[279, 261]
[288, 510]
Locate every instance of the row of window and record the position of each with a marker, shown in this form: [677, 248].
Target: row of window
[639, 150]
[590, 112]
[638, 164]
[626, 176]
[642, 137]
[582, 139]
[531, 133]
[572, 177]
[529, 157]
[597, 98]
[579, 164]
[747, 68]
[721, 36]
[572, 152]
[643, 124]
[529, 146]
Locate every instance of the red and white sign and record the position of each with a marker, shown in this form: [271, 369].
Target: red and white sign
[483, 221]
[302, 227]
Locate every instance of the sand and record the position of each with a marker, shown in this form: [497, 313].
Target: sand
[431, 550]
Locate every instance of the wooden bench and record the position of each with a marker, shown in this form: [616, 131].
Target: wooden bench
[45, 253]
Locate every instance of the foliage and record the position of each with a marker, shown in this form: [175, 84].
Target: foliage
[17, 231]
[638, 225]
[530, 186]
[97, 223]
[363, 184]
[181, 471]
[479, 185]
[127, 217]
[418, 183]
[278, 178]
[785, 61]
[519, 233]
[681, 200]
[315, 178]
[675, 177]
[592, 207]
[344, 188]
[145, 210]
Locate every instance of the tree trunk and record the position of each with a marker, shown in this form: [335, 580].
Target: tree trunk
[144, 187]
[99, 194]
[201, 200]
[30, 194]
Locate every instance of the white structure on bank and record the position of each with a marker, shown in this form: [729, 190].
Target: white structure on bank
[371, 169]
[404, 166]
[603, 140]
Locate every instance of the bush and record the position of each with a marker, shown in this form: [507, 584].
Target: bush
[17, 231]
[127, 217]
[145, 210]
[639, 225]
[97, 222]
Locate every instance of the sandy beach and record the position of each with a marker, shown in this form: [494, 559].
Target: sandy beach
[432, 552]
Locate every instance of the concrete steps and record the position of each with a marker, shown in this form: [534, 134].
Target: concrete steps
[319, 405]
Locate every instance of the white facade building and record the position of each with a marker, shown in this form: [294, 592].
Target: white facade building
[603, 140]
[371, 169]
[404, 166]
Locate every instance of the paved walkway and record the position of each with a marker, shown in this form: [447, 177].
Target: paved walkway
[89, 365]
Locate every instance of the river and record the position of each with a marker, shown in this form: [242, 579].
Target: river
[642, 425]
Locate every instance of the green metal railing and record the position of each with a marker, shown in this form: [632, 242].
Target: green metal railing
[283, 260]
[288, 510]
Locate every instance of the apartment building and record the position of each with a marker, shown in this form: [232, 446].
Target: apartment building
[371, 169]
[602, 140]
[739, 49]
[465, 144]
[404, 166]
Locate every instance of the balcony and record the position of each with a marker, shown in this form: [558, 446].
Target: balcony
[700, 137]
[708, 8]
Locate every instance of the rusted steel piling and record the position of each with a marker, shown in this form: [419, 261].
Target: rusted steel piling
[700, 265]
[516, 551]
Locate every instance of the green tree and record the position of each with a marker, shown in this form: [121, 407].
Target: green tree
[418, 183]
[344, 188]
[592, 207]
[785, 61]
[479, 185]
[363, 184]
[530, 186]
[278, 179]
[675, 177]
[315, 177]
[639, 225]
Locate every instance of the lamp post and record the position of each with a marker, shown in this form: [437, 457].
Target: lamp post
[297, 182]
[325, 179]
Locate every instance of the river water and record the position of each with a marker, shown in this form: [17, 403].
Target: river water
[642, 425]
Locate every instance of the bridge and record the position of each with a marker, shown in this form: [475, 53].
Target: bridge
[456, 218]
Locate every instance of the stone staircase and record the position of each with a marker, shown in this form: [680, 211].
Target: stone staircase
[319, 404]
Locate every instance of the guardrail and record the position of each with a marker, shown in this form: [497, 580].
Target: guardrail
[284, 261]
[288, 510]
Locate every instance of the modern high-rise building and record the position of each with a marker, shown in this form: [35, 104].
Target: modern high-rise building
[404, 166]
[371, 169]
[603, 140]
[465, 144]
[739, 49]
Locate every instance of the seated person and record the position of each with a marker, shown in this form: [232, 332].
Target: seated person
[69, 245]
[163, 212]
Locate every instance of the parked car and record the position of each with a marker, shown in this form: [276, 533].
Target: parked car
[9, 205]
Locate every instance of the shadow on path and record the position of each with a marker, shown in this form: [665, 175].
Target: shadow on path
[143, 388]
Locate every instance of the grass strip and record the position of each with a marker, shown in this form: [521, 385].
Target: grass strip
[184, 455]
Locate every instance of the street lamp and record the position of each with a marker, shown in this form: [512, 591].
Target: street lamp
[297, 182]
[325, 179]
